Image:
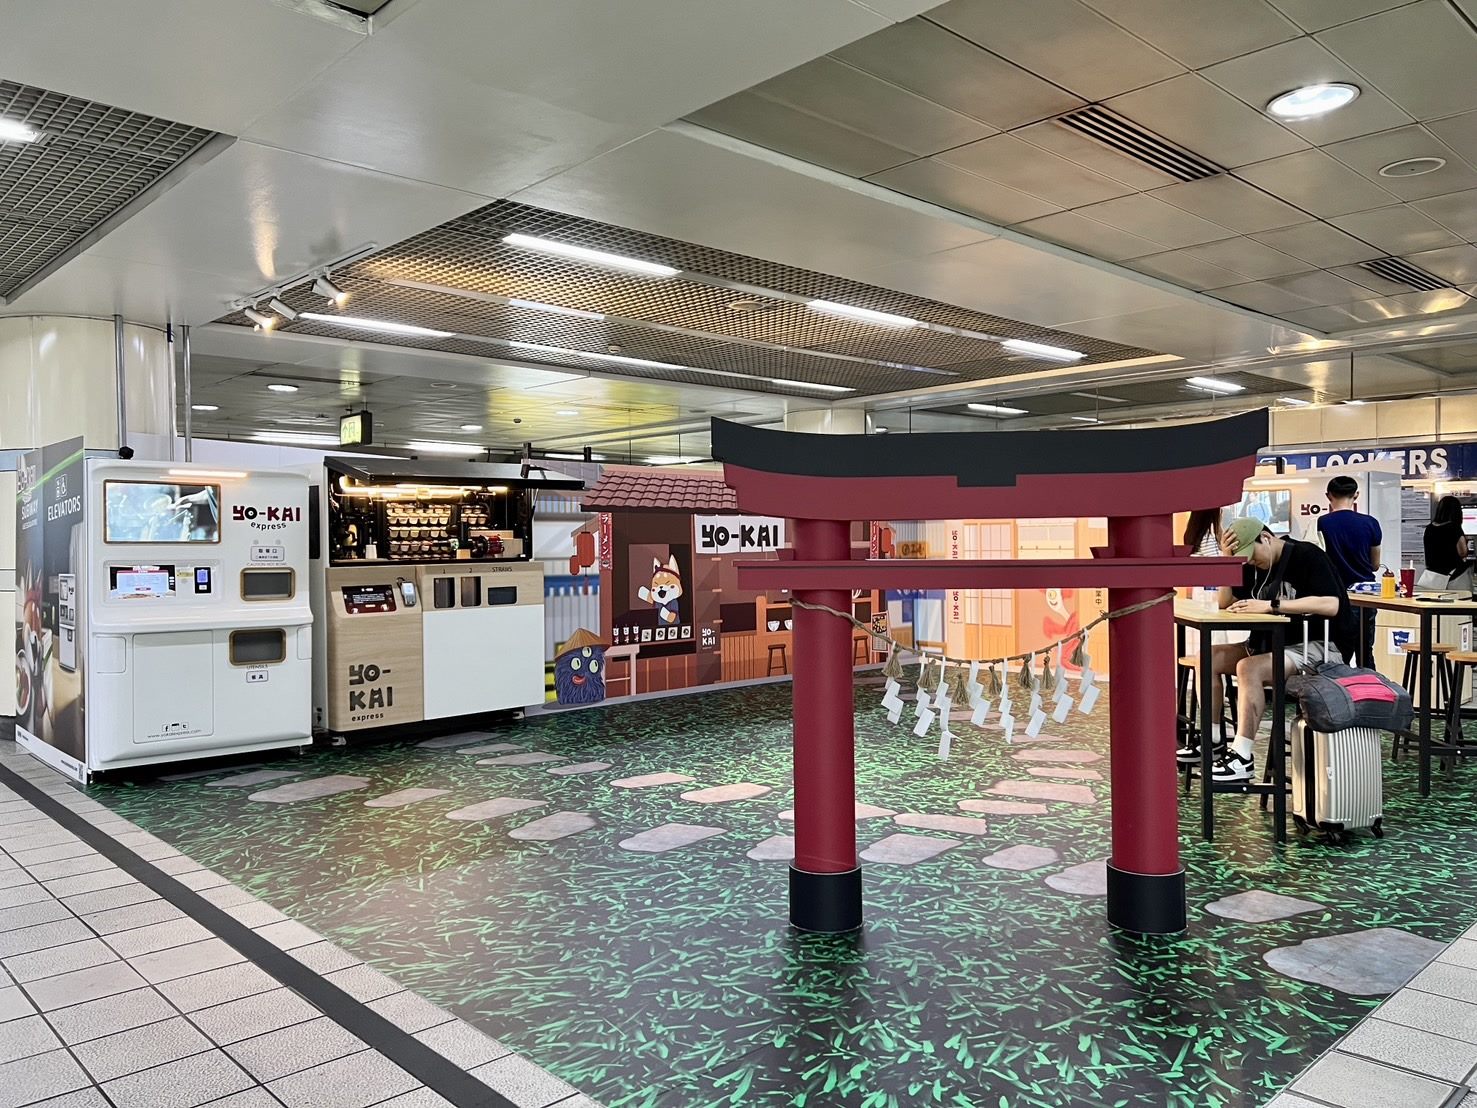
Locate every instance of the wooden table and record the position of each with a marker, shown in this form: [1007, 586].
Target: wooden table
[1425, 608]
[1207, 621]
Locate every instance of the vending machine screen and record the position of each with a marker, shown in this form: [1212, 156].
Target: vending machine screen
[144, 582]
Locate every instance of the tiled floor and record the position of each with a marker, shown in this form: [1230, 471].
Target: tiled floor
[114, 992]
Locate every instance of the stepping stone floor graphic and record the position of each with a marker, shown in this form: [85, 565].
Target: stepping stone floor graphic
[446, 742]
[312, 789]
[1004, 807]
[1080, 757]
[1088, 879]
[776, 848]
[492, 809]
[1022, 858]
[722, 794]
[1044, 790]
[1260, 906]
[401, 797]
[491, 748]
[532, 758]
[196, 774]
[862, 811]
[1066, 773]
[557, 826]
[960, 825]
[1372, 962]
[907, 850]
[647, 780]
[577, 768]
[669, 836]
[258, 777]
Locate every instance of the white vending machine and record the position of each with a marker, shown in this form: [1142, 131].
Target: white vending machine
[181, 628]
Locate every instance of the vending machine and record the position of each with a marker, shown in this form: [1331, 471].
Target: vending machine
[171, 617]
[427, 600]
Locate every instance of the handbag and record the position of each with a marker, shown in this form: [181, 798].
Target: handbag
[1432, 581]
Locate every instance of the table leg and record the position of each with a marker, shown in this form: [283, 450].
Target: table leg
[1425, 708]
[1277, 754]
[1207, 736]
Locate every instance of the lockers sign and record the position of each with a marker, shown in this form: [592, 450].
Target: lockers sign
[737, 534]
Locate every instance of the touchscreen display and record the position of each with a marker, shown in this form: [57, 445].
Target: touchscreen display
[140, 581]
[149, 511]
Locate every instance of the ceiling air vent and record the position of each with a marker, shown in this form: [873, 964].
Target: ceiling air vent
[1402, 272]
[1131, 140]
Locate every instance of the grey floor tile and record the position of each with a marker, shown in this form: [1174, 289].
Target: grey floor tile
[256, 914]
[58, 959]
[185, 1083]
[217, 986]
[129, 916]
[201, 879]
[524, 1083]
[462, 1044]
[103, 899]
[410, 1012]
[579, 1100]
[363, 983]
[182, 961]
[26, 1037]
[288, 934]
[140, 1048]
[109, 878]
[227, 896]
[14, 878]
[29, 915]
[354, 1081]
[324, 957]
[1463, 952]
[1445, 979]
[416, 1098]
[44, 935]
[110, 1015]
[54, 852]
[157, 852]
[80, 1098]
[32, 1079]
[1351, 1082]
[157, 936]
[253, 1015]
[26, 893]
[14, 1004]
[1438, 1014]
[80, 986]
[302, 1046]
[251, 1098]
[177, 865]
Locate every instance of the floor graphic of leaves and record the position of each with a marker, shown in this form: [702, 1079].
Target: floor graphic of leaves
[673, 979]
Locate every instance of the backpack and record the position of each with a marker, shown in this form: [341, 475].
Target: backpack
[1339, 696]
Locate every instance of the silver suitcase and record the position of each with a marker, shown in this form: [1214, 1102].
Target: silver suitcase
[1337, 782]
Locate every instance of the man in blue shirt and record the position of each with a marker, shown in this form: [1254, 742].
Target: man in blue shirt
[1352, 540]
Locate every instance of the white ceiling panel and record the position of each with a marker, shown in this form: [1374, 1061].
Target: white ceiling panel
[1232, 203]
[1315, 15]
[1457, 264]
[1260, 296]
[1368, 154]
[799, 134]
[1063, 41]
[1156, 221]
[1421, 56]
[1199, 116]
[1098, 240]
[1398, 230]
[1193, 329]
[1363, 313]
[1259, 77]
[1077, 147]
[1183, 268]
[1316, 183]
[1200, 32]
[1319, 244]
[1459, 132]
[92, 285]
[1249, 258]
[1319, 289]
[936, 63]
[935, 181]
[1030, 169]
[1458, 212]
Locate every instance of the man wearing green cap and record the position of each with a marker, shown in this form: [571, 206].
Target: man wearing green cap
[1283, 577]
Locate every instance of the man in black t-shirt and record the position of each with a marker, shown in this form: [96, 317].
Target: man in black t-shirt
[1289, 578]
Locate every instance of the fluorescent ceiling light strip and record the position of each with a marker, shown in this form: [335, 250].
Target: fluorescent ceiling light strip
[358, 323]
[622, 359]
[1086, 419]
[670, 460]
[1214, 384]
[584, 254]
[435, 446]
[554, 309]
[997, 409]
[13, 130]
[1042, 350]
[1100, 396]
[865, 315]
[1294, 402]
[806, 385]
[295, 438]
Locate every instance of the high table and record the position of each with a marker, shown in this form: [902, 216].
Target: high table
[1207, 621]
[1426, 608]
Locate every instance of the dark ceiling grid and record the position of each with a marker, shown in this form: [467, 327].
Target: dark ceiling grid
[91, 160]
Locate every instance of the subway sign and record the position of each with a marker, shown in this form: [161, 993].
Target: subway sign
[1446, 461]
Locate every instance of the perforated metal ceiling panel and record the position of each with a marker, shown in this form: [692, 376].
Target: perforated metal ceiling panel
[91, 160]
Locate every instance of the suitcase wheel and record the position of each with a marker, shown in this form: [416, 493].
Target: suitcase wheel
[1379, 831]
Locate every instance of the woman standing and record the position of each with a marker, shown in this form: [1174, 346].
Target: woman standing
[1446, 545]
[1203, 533]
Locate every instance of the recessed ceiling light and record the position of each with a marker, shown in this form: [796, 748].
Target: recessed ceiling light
[879, 430]
[567, 412]
[1214, 385]
[554, 309]
[1412, 167]
[866, 315]
[13, 130]
[283, 388]
[786, 383]
[1042, 350]
[594, 257]
[358, 323]
[329, 291]
[471, 426]
[1355, 403]
[1312, 100]
[436, 446]
[443, 385]
[997, 409]
[1293, 402]
[1086, 419]
[205, 407]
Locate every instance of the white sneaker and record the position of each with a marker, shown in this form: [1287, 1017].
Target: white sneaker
[1234, 768]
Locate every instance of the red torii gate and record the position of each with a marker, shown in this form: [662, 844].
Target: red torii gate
[1136, 478]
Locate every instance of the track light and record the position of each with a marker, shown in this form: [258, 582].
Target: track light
[329, 291]
[261, 319]
[282, 309]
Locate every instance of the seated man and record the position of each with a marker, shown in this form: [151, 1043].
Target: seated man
[1283, 577]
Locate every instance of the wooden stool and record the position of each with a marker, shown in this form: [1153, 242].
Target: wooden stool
[1459, 662]
[860, 655]
[784, 662]
[1441, 659]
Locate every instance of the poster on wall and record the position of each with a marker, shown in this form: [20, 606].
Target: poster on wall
[657, 599]
[50, 718]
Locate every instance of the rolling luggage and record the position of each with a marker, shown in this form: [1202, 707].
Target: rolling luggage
[1337, 783]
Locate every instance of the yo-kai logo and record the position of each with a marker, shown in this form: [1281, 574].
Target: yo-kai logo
[270, 518]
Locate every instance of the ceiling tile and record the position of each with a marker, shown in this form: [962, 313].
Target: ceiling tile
[1258, 78]
[1183, 268]
[1370, 280]
[1232, 203]
[861, 102]
[1458, 132]
[1457, 264]
[1060, 40]
[1259, 296]
[932, 180]
[1316, 183]
[1368, 154]
[1319, 244]
[1155, 220]
[1458, 212]
[1318, 288]
[1091, 237]
[1315, 15]
[1198, 34]
[936, 63]
[1385, 309]
[1208, 120]
[1250, 258]
[1398, 230]
[1415, 55]
[1030, 169]
[1077, 147]
[787, 130]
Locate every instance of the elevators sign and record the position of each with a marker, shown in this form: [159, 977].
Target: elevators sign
[737, 534]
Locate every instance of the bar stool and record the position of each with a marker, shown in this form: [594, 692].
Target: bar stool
[784, 661]
[1441, 658]
[860, 655]
[1460, 662]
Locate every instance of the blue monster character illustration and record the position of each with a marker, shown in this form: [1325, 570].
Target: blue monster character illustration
[579, 669]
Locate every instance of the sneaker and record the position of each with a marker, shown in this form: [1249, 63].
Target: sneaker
[1232, 767]
[1190, 753]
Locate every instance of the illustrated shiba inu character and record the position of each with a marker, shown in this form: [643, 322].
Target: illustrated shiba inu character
[665, 589]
